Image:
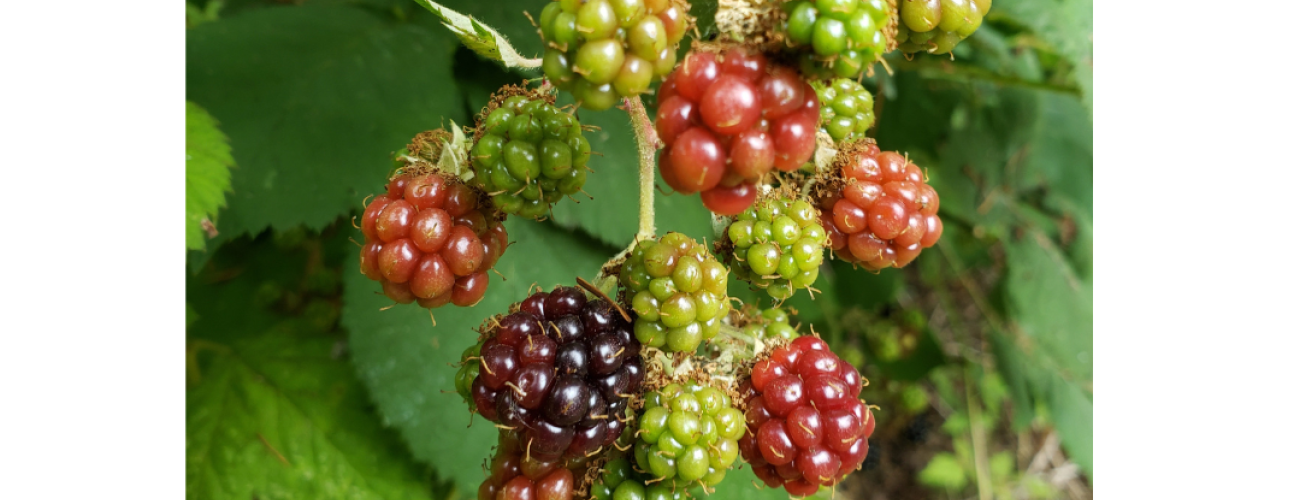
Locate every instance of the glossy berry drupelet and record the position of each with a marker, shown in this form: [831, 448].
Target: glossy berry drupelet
[559, 370]
[602, 50]
[837, 37]
[726, 120]
[770, 324]
[805, 426]
[884, 213]
[428, 240]
[688, 433]
[776, 245]
[516, 474]
[936, 26]
[678, 290]
[848, 110]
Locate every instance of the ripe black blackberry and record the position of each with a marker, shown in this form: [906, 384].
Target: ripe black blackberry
[559, 370]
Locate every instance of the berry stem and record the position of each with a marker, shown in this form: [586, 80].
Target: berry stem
[647, 141]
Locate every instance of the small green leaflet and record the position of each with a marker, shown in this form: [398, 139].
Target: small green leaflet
[454, 158]
[480, 38]
[455, 154]
[207, 175]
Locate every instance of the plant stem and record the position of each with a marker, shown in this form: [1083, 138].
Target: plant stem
[983, 479]
[647, 141]
[965, 72]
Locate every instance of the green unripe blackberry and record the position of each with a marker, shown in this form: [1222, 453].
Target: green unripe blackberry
[530, 155]
[603, 50]
[678, 290]
[838, 38]
[620, 481]
[468, 372]
[848, 110]
[688, 434]
[772, 323]
[936, 26]
[776, 245]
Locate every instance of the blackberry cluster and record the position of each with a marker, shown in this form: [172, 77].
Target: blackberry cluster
[688, 433]
[621, 481]
[777, 245]
[837, 38]
[429, 241]
[530, 155]
[516, 474]
[848, 110]
[605, 49]
[678, 290]
[806, 427]
[936, 26]
[728, 119]
[770, 324]
[885, 213]
[559, 370]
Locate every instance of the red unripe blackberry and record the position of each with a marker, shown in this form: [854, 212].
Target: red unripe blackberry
[883, 213]
[428, 240]
[805, 427]
[558, 371]
[729, 118]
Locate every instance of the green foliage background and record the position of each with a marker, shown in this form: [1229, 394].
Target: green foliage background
[301, 386]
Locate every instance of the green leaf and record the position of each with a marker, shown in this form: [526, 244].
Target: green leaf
[1047, 358]
[207, 174]
[315, 100]
[278, 417]
[1065, 24]
[480, 38]
[1071, 409]
[943, 472]
[1050, 306]
[611, 212]
[406, 362]
[1058, 154]
[190, 315]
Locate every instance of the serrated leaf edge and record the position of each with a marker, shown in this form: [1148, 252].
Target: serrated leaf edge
[479, 37]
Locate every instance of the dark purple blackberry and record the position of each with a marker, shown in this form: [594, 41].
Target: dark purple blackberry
[559, 370]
